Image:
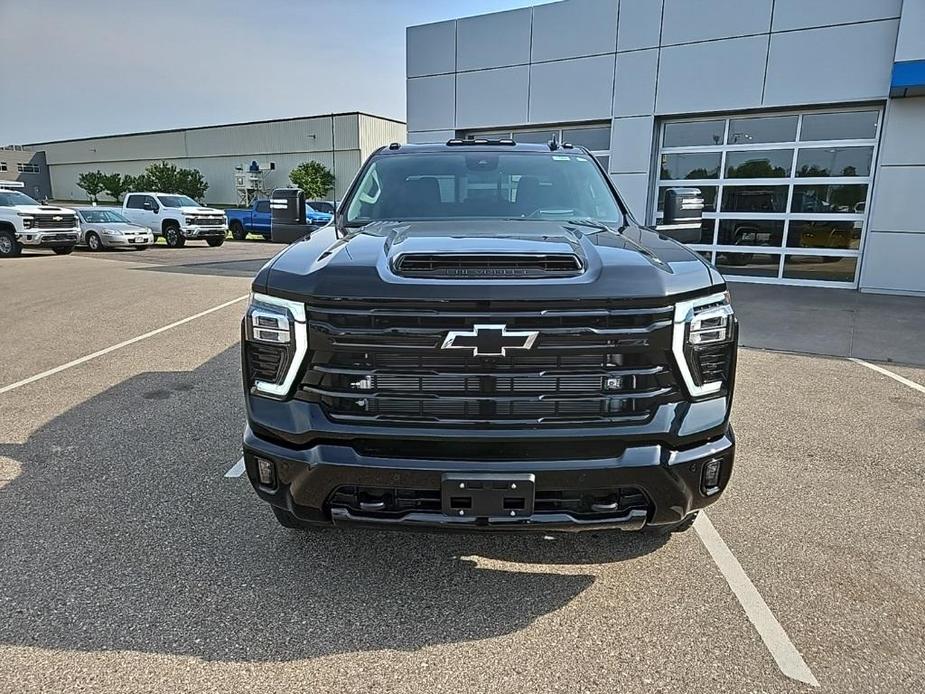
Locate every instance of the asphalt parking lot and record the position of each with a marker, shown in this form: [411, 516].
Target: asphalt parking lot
[130, 561]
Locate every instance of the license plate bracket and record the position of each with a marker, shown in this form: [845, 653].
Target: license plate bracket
[488, 494]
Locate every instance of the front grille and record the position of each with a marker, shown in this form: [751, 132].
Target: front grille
[483, 265]
[206, 221]
[53, 221]
[589, 364]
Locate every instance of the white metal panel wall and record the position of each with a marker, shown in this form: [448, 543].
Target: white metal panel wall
[299, 135]
[123, 148]
[376, 132]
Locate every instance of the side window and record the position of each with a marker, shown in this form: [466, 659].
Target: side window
[150, 199]
[134, 202]
[262, 206]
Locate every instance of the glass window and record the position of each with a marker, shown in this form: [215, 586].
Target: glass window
[536, 138]
[604, 160]
[768, 163]
[834, 161]
[262, 206]
[837, 199]
[482, 184]
[841, 235]
[708, 193]
[706, 255]
[694, 133]
[135, 202]
[746, 131]
[751, 264]
[820, 267]
[853, 125]
[754, 199]
[750, 232]
[677, 167]
[489, 136]
[592, 138]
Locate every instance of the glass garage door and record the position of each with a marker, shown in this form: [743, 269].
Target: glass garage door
[785, 194]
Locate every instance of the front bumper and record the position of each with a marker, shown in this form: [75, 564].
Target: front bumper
[306, 479]
[48, 239]
[204, 232]
[123, 242]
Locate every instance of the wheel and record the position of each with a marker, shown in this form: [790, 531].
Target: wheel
[215, 243]
[174, 237]
[287, 519]
[93, 241]
[9, 246]
[238, 232]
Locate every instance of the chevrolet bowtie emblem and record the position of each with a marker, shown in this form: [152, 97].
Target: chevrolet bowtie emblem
[489, 340]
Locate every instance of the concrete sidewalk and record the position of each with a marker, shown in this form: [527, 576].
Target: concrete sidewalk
[836, 322]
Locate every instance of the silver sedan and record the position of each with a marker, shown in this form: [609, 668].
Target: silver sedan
[104, 228]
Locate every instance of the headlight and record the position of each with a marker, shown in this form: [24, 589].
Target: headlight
[704, 343]
[275, 343]
[27, 222]
[189, 220]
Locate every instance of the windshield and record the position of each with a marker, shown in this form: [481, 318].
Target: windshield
[11, 198]
[100, 216]
[177, 201]
[322, 206]
[467, 185]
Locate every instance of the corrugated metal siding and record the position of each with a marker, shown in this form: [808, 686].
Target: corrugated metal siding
[346, 132]
[302, 135]
[154, 146]
[375, 132]
[346, 164]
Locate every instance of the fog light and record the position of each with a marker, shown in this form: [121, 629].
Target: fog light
[711, 472]
[265, 472]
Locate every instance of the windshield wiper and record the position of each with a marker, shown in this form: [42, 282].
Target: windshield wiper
[592, 223]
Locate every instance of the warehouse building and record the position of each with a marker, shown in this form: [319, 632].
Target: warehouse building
[801, 121]
[18, 163]
[339, 141]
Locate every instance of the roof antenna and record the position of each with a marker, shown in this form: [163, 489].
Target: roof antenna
[553, 144]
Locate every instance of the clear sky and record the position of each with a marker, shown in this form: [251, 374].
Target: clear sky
[74, 68]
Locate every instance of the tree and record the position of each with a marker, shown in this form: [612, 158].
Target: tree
[92, 183]
[314, 178]
[165, 177]
[116, 185]
[133, 184]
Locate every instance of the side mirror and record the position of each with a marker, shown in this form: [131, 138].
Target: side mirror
[683, 215]
[147, 205]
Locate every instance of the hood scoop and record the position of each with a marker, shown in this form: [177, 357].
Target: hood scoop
[488, 265]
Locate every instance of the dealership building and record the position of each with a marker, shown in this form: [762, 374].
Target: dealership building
[340, 141]
[801, 121]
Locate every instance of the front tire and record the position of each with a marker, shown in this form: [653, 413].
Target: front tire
[67, 250]
[9, 246]
[215, 243]
[173, 236]
[93, 242]
[238, 232]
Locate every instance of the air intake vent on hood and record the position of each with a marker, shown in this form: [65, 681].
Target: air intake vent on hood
[490, 266]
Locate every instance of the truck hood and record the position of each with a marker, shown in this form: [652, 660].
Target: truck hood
[629, 263]
[42, 209]
[200, 210]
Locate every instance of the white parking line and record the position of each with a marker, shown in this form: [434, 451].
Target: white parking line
[775, 639]
[113, 348]
[886, 372]
[237, 469]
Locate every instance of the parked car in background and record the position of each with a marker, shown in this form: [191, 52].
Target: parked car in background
[101, 228]
[178, 218]
[26, 223]
[256, 219]
[323, 206]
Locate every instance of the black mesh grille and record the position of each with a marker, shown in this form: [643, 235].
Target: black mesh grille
[481, 266]
[54, 221]
[588, 364]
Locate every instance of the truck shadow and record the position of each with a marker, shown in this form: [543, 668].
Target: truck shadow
[120, 532]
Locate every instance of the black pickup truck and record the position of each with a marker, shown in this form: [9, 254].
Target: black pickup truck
[485, 339]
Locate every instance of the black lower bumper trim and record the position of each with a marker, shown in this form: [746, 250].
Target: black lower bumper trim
[632, 520]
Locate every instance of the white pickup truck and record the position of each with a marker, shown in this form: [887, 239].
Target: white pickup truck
[24, 223]
[177, 218]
